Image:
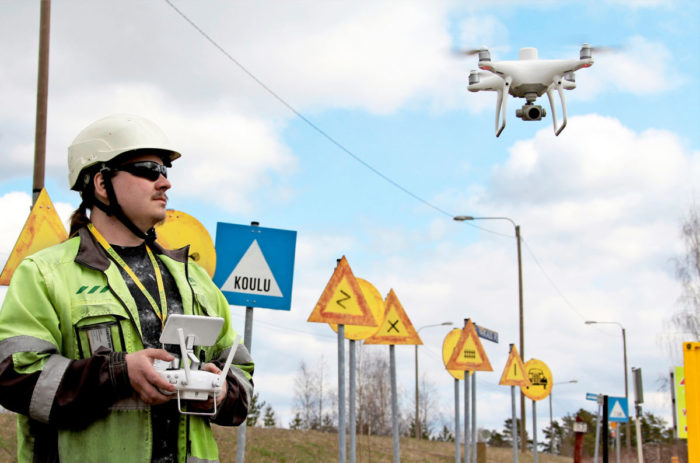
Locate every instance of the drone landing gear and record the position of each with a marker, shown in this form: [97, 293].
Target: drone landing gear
[550, 94]
[501, 104]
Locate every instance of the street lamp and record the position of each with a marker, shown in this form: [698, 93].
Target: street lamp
[418, 434]
[462, 218]
[628, 442]
[550, 404]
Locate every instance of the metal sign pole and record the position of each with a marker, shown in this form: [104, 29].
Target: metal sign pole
[394, 404]
[457, 430]
[513, 427]
[473, 442]
[352, 419]
[248, 342]
[467, 453]
[534, 431]
[341, 393]
[638, 421]
[597, 430]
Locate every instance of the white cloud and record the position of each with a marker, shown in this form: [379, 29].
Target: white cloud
[484, 31]
[641, 66]
[604, 160]
[226, 157]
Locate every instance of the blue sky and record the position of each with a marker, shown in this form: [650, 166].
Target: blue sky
[600, 206]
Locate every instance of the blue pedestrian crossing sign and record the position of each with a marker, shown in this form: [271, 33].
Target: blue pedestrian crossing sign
[255, 265]
[617, 409]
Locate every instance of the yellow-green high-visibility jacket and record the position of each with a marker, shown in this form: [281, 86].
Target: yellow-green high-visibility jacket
[72, 394]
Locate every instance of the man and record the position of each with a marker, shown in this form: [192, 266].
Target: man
[81, 321]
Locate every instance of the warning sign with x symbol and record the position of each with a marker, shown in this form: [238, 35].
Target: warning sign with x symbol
[395, 328]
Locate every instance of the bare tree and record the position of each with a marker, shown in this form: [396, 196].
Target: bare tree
[312, 397]
[373, 392]
[687, 319]
[427, 410]
[305, 395]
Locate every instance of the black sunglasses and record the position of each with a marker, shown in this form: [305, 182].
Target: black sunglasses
[150, 170]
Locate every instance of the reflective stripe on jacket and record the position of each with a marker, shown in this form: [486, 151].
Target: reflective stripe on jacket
[65, 302]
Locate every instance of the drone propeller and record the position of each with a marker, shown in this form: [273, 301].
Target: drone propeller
[469, 51]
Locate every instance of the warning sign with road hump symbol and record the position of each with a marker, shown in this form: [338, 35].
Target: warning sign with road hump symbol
[469, 354]
[396, 328]
[342, 301]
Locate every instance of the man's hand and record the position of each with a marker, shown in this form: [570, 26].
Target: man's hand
[144, 379]
[209, 404]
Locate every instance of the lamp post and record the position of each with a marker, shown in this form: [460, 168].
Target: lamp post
[462, 218]
[418, 434]
[571, 381]
[628, 441]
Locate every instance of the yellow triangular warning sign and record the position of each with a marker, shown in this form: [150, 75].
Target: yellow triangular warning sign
[514, 372]
[396, 328]
[342, 301]
[42, 229]
[376, 305]
[469, 354]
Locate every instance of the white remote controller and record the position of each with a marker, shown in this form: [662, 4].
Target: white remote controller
[190, 382]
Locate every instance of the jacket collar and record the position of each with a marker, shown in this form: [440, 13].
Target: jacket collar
[91, 254]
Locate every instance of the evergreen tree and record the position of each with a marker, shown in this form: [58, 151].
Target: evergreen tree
[297, 422]
[269, 420]
[496, 439]
[554, 436]
[445, 435]
[567, 444]
[508, 431]
[424, 429]
[254, 410]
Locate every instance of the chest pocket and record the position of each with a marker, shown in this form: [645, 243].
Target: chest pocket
[99, 325]
[202, 304]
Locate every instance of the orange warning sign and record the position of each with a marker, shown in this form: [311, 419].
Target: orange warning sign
[42, 229]
[514, 372]
[469, 354]
[376, 305]
[342, 301]
[180, 229]
[396, 328]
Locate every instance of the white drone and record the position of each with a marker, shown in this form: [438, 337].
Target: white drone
[528, 78]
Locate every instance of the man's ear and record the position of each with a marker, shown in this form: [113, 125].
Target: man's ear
[98, 183]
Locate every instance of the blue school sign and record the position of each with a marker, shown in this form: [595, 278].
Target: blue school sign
[617, 409]
[255, 265]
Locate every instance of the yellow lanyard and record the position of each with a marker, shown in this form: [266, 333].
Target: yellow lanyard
[161, 313]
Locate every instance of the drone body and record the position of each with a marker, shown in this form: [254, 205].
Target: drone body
[529, 78]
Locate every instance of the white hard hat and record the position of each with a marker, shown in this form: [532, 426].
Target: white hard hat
[107, 138]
